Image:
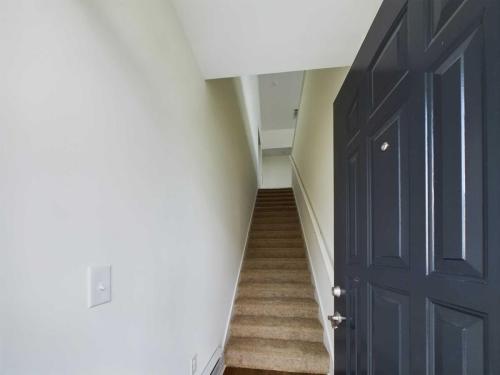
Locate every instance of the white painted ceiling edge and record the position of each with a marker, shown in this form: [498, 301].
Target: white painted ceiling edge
[233, 38]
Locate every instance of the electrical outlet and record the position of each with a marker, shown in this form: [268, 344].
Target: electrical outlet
[194, 364]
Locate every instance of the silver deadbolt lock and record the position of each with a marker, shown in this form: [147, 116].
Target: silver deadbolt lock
[384, 146]
[337, 291]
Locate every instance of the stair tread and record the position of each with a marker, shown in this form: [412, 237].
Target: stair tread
[273, 321]
[275, 214]
[273, 284]
[275, 206]
[275, 274]
[266, 202]
[276, 243]
[276, 234]
[258, 289]
[276, 253]
[258, 227]
[275, 263]
[295, 347]
[276, 220]
[277, 229]
[273, 327]
[275, 197]
[276, 226]
[277, 240]
[278, 355]
[272, 271]
[277, 301]
[273, 248]
[277, 192]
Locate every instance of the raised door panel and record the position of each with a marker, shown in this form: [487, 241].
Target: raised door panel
[390, 65]
[388, 332]
[354, 215]
[353, 327]
[456, 341]
[388, 194]
[441, 11]
[456, 171]
[354, 117]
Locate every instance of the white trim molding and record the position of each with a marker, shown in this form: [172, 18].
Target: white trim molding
[320, 262]
[218, 355]
[317, 230]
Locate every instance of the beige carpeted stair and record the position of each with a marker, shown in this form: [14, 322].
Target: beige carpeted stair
[275, 324]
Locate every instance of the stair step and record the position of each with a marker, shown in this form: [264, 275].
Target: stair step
[272, 275]
[284, 307]
[271, 327]
[278, 196]
[275, 289]
[273, 203]
[277, 220]
[277, 355]
[276, 213]
[275, 190]
[282, 199]
[275, 263]
[275, 242]
[276, 253]
[274, 226]
[275, 207]
[257, 234]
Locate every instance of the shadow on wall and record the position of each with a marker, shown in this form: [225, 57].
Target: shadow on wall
[145, 56]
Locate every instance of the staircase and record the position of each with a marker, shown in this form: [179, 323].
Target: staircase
[275, 324]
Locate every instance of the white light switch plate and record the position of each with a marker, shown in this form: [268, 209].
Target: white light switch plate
[99, 285]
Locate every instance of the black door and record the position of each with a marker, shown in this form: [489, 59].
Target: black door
[417, 193]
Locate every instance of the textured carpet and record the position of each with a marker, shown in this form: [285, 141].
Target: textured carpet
[243, 371]
[275, 324]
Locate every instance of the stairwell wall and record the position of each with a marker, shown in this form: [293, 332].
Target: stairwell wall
[312, 162]
[114, 150]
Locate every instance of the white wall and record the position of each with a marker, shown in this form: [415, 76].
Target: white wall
[282, 138]
[312, 159]
[313, 145]
[114, 150]
[276, 172]
[247, 90]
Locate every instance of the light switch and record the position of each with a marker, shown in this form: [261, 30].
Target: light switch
[99, 285]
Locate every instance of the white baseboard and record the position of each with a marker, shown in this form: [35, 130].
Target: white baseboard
[309, 216]
[213, 361]
[235, 290]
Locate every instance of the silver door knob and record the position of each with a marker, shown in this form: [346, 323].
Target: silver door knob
[337, 291]
[336, 319]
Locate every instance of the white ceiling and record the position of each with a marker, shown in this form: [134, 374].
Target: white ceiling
[279, 96]
[240, 37]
